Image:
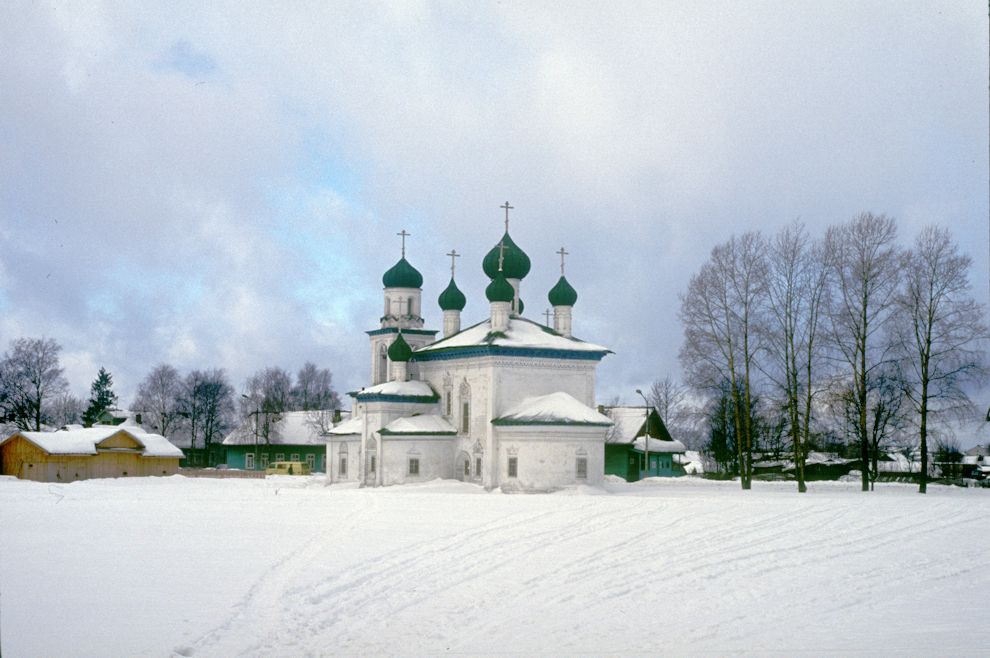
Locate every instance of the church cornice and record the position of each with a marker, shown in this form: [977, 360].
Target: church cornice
[382, 397]
[450, 353]
[395, 330]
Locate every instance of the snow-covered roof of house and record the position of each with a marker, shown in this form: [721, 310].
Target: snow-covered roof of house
[304, 428]
[414, 390]
[554, 409]
[84, 440]
[521, 334]
[628, 422]
[349, 426]
[657, 445]
[422, 424]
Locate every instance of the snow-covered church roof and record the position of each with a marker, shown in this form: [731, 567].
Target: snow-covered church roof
[553, 409]
[85, 440]
[414, 390]
[522, 335]
[425, 424]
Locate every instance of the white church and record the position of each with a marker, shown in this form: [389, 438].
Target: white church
[506, 402]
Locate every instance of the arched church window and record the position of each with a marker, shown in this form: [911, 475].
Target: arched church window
[381, 374]
[465, 408]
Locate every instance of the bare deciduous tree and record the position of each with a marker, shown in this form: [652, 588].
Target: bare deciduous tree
[941, 332]
[30, 378]
[797, 274]
[314, 390]
[865, 266]
[268, 396]
[207, 402]
[719, 314]
[158, 399]
[64, 409]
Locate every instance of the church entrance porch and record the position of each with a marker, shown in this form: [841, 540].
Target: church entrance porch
[462, 466]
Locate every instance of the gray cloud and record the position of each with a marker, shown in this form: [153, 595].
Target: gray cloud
[221, 185]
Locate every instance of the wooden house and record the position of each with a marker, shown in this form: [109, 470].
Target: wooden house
[634, 435]
[299, 436]
[78, 453]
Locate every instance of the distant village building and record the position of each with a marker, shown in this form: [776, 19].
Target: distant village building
[638, 436]
[298, 436]
[507, 402]
[78, 453]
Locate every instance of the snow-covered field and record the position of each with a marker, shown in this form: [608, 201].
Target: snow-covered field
[289, 566]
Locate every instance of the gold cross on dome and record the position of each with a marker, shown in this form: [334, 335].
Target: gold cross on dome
[453, 254]
[547, 314]
[404, 235]
[507, 209]
[562, 254]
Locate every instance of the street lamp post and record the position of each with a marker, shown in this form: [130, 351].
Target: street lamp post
[646, 441]
[255, 413]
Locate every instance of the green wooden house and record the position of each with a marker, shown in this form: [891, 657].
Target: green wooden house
[639, 432]
[294, 436]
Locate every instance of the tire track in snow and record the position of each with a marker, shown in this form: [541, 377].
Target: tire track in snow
[266, 590]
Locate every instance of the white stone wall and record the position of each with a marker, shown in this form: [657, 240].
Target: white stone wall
[351, 446]
[435, 455]
[547, 456]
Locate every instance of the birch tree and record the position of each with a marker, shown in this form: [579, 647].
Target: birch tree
[30, 378]
[865, 266]
[158, 399]
[797, 274]
[942, 331]
[720, 313]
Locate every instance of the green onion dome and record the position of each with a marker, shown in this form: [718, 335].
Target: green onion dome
[452, 299]
[399, 350]
[403, 275]
[515, 264]
[522, 307]
[562, 294]
[499, 290]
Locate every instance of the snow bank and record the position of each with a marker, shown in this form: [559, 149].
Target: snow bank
[290, 566]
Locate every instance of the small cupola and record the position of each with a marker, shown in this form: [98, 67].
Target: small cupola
[399, 350]
[500, 294]
[452, 302]
[452, 299]
[499, 290]
[562, 297]
[562, 294]
[399, 354]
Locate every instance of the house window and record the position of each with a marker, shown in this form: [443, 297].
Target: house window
[467, 468]
[448, 403]
[477, 466]
[249, 461]
[371, 464]
[295, 457]
[311, 460]
[513, 467]
[582, 468]
[413, 466]
[264, 460]
[280, 456]
[343, 464]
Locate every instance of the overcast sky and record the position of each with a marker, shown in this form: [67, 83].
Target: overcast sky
[212, 185]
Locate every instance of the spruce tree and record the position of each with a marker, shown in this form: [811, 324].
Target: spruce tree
[101, 398]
